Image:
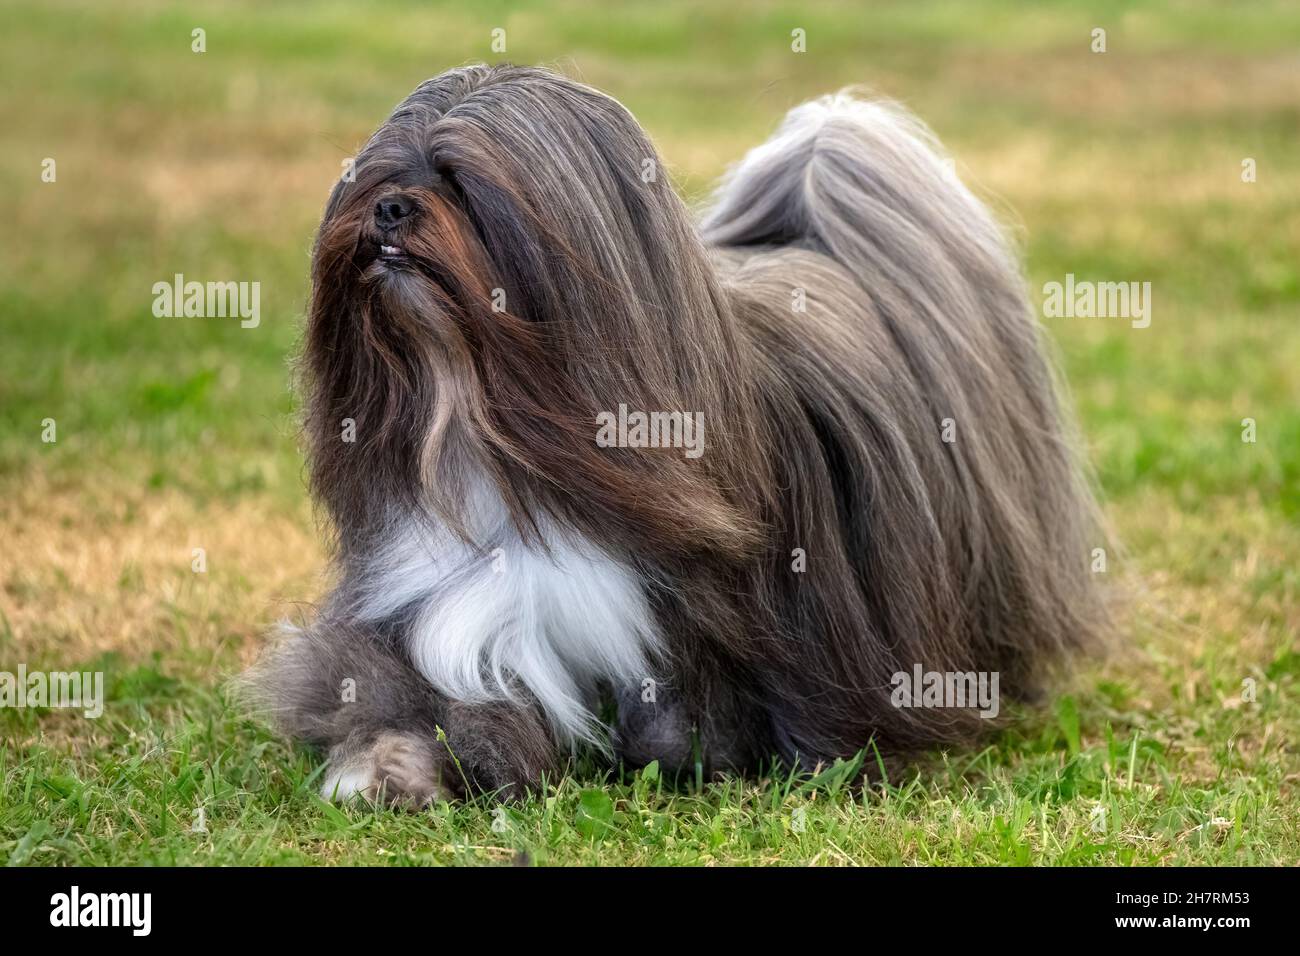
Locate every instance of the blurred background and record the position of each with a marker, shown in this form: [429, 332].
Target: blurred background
[178, 433]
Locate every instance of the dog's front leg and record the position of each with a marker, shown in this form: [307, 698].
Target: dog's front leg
[703, 722]
[498, 749]
[501, 748]
[347, 690]
[351, 691]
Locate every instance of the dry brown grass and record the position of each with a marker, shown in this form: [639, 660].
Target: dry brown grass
[107, 567]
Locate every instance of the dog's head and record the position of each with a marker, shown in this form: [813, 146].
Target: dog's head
[508, 261]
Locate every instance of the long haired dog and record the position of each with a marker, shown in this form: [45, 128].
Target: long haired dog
[869, 475]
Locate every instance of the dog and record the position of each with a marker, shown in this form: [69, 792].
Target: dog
[514, 321]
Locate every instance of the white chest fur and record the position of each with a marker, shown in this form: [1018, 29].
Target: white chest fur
[490, 618]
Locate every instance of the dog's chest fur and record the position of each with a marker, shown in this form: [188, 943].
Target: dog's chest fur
[484, 622]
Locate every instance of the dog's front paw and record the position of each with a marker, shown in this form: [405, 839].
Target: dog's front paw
[397, 768]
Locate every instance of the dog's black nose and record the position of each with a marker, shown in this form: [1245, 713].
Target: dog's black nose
[391, 210]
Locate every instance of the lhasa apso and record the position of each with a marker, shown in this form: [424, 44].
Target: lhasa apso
[707, 492]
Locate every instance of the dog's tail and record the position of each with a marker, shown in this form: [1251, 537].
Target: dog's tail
[867, 185]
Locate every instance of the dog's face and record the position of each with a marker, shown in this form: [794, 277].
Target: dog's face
[508, 261]
[402, 301]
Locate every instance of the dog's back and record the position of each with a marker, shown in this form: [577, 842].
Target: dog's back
[931, 475]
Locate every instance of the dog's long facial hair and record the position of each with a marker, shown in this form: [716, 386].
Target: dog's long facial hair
[887, 480]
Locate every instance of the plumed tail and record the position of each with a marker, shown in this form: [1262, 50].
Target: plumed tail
[869, 184]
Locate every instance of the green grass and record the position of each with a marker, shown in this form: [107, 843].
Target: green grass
[178, 433]
[1046, 793]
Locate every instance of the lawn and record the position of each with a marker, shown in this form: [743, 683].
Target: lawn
[173, 434]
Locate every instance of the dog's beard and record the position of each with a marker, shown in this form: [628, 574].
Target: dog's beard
[388, 361]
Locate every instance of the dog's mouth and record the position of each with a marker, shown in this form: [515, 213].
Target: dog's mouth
[387, 251]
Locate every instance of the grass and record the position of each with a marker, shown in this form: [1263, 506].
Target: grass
[175, 434]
